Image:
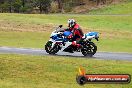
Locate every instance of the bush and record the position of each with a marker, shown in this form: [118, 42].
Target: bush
[54, 7]
[17, 5]
[26, 9]
[4, 7]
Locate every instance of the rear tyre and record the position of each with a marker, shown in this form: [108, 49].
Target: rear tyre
[89, 49]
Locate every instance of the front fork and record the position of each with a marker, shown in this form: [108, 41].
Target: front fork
[60, 43]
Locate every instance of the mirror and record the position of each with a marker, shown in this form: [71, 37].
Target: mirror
[60, 26]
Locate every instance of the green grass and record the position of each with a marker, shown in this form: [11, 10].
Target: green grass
[115, 45]
[23, 71]
[94, 22]
[24, 30]
[23, 39]
[122, 8]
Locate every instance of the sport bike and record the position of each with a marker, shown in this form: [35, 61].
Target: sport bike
[59, 41]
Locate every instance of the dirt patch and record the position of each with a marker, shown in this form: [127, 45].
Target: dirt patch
[22, 27]
[13, 26]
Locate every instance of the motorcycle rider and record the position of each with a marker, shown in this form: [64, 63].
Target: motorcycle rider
[76, 34]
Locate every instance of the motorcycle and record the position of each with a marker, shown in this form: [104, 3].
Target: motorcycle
[59, 41]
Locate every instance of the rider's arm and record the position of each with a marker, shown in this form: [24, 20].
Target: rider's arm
[67, 29]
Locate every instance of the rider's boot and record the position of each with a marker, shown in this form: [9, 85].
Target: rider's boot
[74, 43]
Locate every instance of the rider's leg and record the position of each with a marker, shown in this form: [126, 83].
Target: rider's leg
[76, 41]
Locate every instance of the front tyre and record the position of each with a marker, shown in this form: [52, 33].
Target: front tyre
[51, 50]
[48, 46]
[89, 49]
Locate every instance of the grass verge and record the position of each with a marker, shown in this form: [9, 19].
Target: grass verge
[122, 8]
[20, 71]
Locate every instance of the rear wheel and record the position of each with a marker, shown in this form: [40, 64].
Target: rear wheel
[51, 50]
[89, 49]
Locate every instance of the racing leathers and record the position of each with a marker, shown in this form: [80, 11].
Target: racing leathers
[77, 33]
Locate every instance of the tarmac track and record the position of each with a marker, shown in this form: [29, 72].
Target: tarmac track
[98, 55]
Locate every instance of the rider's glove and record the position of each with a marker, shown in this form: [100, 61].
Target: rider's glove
[70, 36]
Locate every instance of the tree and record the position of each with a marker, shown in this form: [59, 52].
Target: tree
[17, 5]
[4, 7]
[10, 5]
[24, 7]
[101, 1]
[43, 5]
[60, 5]
[23, 3]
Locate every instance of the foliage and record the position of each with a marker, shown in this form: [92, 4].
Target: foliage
[25, 6]
[4, 7]
[44, 6]
[17, 5]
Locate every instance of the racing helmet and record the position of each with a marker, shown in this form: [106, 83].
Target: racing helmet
[71, 22]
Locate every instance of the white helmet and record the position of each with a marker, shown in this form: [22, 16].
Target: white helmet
[71, 22]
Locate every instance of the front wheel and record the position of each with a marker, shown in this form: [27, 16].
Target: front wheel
[89, 49]
[51, 50]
